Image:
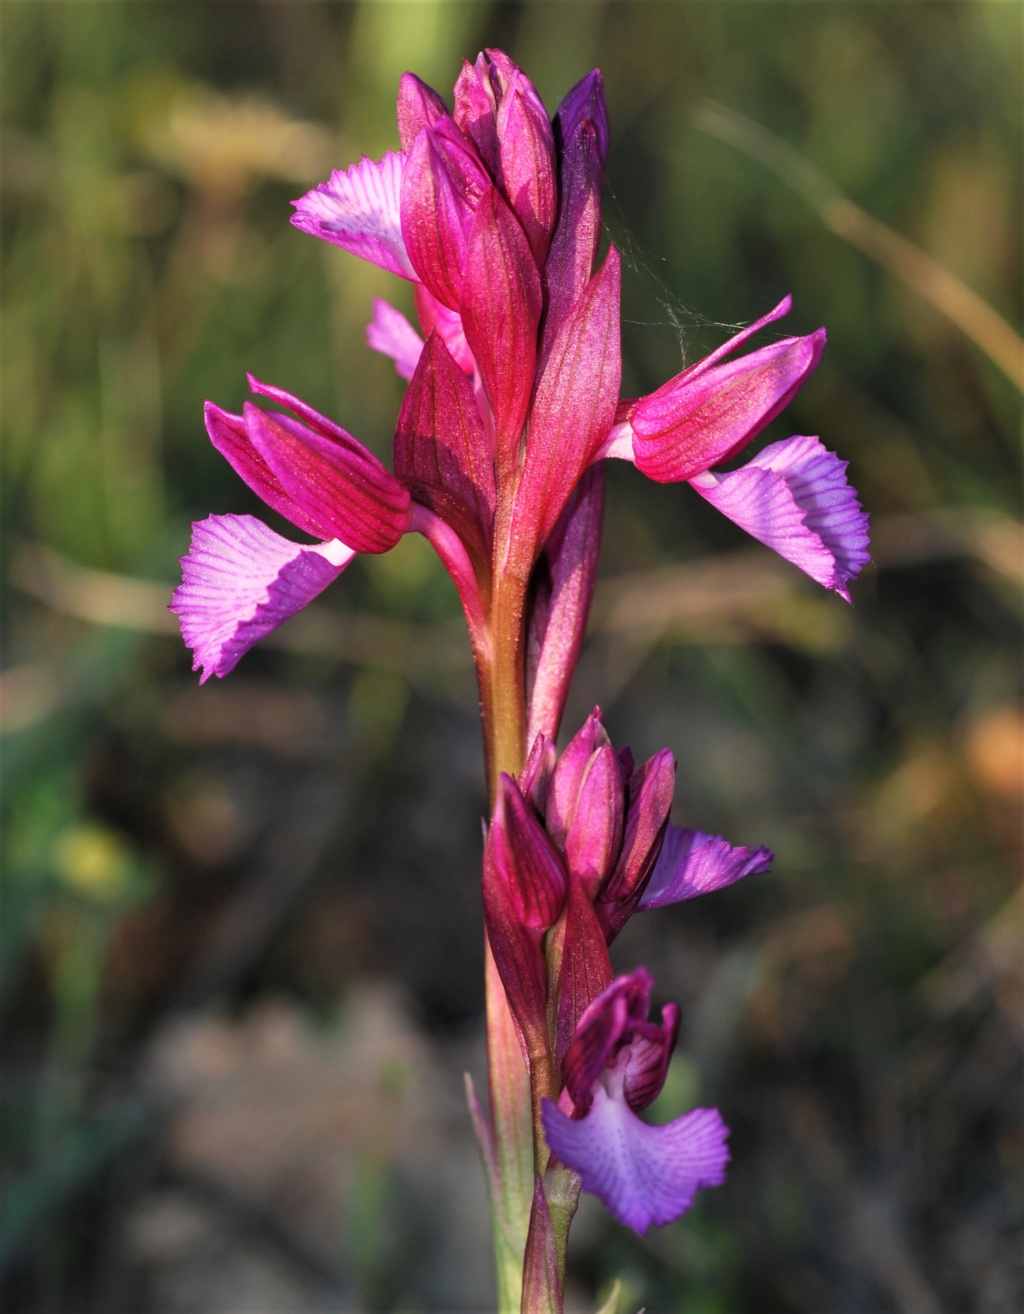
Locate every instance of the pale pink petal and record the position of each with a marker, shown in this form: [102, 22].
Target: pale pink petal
[358, 209]
[390, 333]
[794, 497]
[692, 862]
[240, 580]
[643, 1174]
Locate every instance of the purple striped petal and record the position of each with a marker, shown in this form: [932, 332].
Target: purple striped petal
[240, 580]
[692, 862]
[643, 1174]
[359, 210]
[390, 333]
[794, 497]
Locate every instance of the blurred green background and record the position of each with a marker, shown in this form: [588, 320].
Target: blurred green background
[241, 934]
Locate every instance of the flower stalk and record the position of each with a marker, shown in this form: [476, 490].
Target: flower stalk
[492, 211]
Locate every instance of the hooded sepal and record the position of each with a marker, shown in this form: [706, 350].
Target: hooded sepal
[340, 486]
[568, 776]
[648, 803]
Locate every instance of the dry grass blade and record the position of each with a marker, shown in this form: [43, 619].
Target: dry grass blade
[948, 294]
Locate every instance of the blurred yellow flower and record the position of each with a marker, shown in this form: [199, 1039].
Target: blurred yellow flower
[93, 861]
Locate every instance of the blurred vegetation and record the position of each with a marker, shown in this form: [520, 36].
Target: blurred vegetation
[314, 820]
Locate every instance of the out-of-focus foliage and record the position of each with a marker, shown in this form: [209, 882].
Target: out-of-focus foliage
[197, 881]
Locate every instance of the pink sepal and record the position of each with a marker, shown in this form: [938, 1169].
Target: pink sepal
[419, 106]
[443, 452]
[604, 1025]
[359, 210]
[794, 497]
[229, 436]
[568, 775]
[338, 483]
[563, 588]
[572, 410]
[390, 333]
[709, 412]
[595, 832]
[442, 184]
[692, 862]
[240, 580]
[649, 800]
[643, 1174]
[500, 310]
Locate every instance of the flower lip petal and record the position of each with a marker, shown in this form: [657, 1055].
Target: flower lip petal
[643, 1174]
[794, 497]
[359, 210]
[240, 581]
[693, 862]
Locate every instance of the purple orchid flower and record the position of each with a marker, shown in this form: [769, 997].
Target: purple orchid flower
[576, 844]
[616, 1066]
[492, 212]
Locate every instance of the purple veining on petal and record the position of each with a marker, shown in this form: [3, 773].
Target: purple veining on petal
[794, 497]
[390, 333]
[359, 210]
[240, 580]
[644, 1174]
[692, 862]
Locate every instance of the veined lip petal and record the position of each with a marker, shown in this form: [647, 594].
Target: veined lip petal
[359, 210]
[240, 581]
[794, 497]
[693, 862]
[643, 1174]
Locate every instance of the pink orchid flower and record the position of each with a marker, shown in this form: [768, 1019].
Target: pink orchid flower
[493, 213]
